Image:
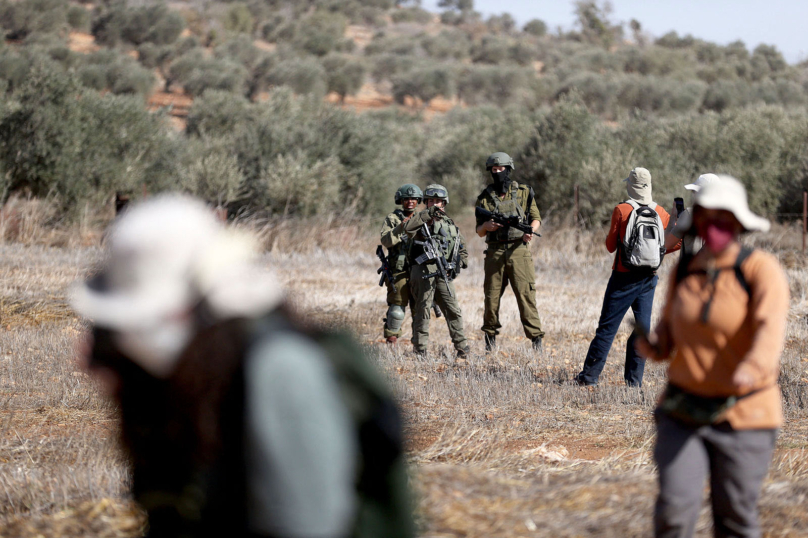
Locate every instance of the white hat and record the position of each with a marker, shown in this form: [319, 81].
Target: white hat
[726, 192]
[165, 255]
[639, 185]
[703, 180]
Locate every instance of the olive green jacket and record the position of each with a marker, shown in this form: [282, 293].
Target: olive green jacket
[523, 195]
[395, 241]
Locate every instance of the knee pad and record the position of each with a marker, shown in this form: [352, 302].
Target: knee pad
[395, 317]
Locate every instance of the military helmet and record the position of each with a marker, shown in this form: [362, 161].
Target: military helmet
[408, 191]
[437, 191]
[499, 158]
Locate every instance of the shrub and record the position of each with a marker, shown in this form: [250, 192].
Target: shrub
[490, 50]
[137, 25]
[411, 14]
[501, 24]
[214, 74]
[217, 113]
[127, 77]
[345, 75]
[386, 66]
[78, 18]
[22, 18]
[391, 45]
[93, 76]
[211, 171]
[425, 83]
[321, 33]
[79, 146]
[490, 84]
[238, 19]
[302, 75]
[535, 27]
[448, 44]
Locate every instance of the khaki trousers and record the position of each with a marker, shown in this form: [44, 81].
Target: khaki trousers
[511, 264]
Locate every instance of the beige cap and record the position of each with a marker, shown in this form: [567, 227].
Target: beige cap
[702, 180]
[727, 193]
[639, 185]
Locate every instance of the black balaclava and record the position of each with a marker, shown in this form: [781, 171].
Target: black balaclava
[502, 180]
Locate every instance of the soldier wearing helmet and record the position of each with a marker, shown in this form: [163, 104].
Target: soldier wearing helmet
[397, 244]
[507, 258]
[425, 281]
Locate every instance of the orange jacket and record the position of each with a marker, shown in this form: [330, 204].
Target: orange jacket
[742, 328]
[620, 223]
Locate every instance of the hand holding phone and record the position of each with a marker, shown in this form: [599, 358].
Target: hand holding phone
[680, 206]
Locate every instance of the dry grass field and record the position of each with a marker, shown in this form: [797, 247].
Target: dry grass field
[501, 445]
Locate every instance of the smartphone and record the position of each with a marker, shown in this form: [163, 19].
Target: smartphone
[680, 205]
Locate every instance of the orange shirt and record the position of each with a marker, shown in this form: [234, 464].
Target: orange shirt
[620, 224]
[740, 329]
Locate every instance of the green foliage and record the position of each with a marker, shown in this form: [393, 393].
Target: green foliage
[22, 18]
[386, 66]
[491, 84]
[411, 14]
[217, 112]
[137, 25]
[501, 24]
[211, 171]
[198, 73]
[345, 75]
[79, 146]
[535, 27]
[78, 18]
[239, 19]
[320, 32]
[425, 83]
[391, 45]
[448, 44]
[302, 75]
[594, 24]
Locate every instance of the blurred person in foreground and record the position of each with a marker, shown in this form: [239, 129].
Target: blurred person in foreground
[239, 419]
[397, 244]
[689, 243]
[637, 235]
[436, 241]
[722, 329]
[507, 254]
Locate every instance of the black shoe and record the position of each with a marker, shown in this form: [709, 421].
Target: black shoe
[490, 342]
[581, 382]
[537, 344]
[463, 353]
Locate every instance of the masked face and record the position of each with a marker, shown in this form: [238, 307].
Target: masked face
[502, 178]
[718, 228]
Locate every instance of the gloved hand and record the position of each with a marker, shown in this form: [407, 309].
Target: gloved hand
[435, 211]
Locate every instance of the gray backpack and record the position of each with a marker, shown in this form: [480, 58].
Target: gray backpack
[643, 246]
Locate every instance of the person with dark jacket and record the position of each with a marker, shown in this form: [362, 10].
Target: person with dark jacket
[232, 406]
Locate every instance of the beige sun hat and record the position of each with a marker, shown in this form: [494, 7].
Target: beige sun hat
[639, 185]
[702, 180]
[165, 256]
[727, 193]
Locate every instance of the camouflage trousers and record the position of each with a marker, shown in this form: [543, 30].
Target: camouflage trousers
[425, 291]
[400, 297]
[510, 264]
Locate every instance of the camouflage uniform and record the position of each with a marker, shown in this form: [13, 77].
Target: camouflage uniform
[508, 259]
[397, 244]
[427, 290]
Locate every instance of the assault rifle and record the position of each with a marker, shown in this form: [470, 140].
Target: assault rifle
[454, 263]
[506, 222]
[434, 252]
[384, 270]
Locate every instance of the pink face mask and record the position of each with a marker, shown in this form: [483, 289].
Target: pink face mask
[717, 237]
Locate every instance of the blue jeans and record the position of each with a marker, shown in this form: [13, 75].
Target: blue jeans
[635, 290]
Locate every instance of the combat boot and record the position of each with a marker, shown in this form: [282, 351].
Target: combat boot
[537, 345]
[490, 342]
[391, 340]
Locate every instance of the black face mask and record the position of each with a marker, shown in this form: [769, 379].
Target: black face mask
[502, 180]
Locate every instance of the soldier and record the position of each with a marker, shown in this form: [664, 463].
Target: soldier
[426, 282]
[507, 258]
[397, 244]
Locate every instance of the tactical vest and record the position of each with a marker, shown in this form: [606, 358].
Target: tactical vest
[397, 256]
[508, 207]
[444, 231]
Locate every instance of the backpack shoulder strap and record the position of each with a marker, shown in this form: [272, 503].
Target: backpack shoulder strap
[652, 205]
[632, 203]
[742, 256]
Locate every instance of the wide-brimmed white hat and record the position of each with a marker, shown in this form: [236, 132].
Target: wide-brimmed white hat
[727, 193]
[702, 180]
[167, 254]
